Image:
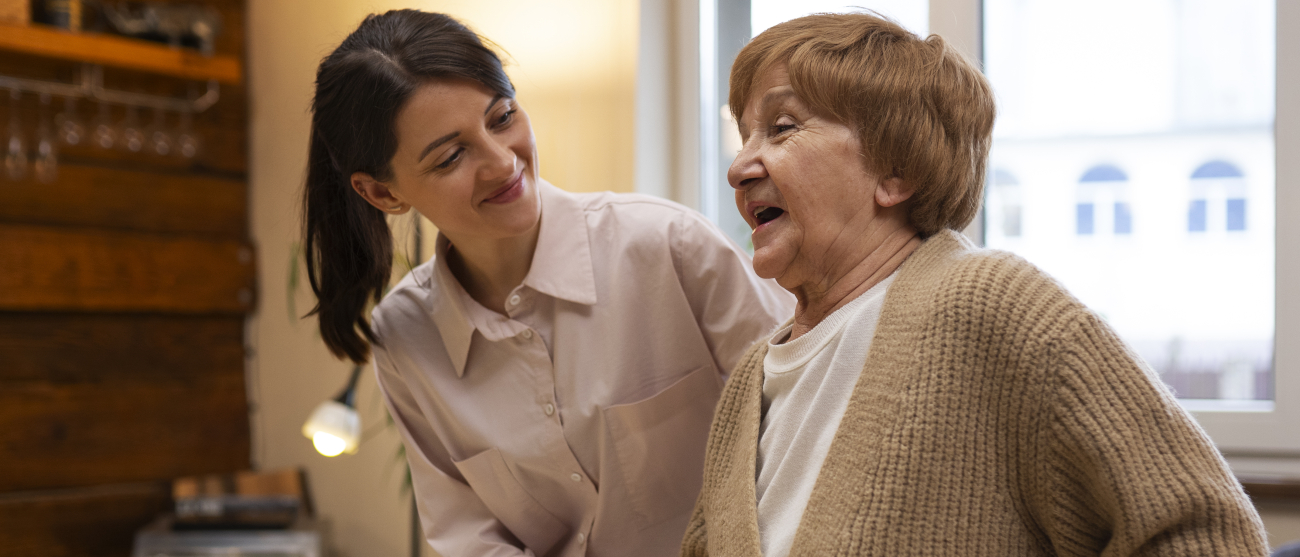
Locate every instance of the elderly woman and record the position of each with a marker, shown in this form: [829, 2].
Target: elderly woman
[929, 397]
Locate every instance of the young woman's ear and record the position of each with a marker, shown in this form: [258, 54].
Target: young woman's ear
[377, 194]
[892, 191]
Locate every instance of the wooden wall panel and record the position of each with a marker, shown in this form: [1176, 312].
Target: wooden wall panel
[88, 522]
[44, 268]
[130, 200]
[88, 399]
[123, 290]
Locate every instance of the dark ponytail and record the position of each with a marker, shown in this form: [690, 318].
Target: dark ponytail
[360, 88]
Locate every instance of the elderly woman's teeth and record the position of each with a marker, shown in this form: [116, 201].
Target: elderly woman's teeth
[768, 214]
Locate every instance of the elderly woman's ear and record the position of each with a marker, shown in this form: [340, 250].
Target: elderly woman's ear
[892, 191]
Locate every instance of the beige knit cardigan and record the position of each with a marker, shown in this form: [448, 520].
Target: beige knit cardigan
[996, 416]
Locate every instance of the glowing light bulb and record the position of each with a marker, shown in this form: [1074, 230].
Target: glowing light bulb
[327, 444]
[334, 428]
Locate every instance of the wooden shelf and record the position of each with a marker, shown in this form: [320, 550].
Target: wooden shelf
[119, 52]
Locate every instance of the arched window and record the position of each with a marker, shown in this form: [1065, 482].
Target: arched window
[1104, 184]
[1004, 198]
[1211, 182]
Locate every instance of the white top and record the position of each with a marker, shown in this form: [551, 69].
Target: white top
[575, 423]
[807, 383]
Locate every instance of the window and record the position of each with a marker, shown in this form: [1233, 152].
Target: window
[1103, 186]
[1236, 214]
[1196, 216]
[1178, 266]
[1083, 219]
[1003, 205]
[1223, 184]
[1123, 218]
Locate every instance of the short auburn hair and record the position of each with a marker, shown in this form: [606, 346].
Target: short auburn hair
[922, 111]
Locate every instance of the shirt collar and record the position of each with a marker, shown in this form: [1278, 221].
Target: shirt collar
[562, 262]
[561, 269]
[448, 308]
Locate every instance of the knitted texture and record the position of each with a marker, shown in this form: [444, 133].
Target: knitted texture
[995, 415]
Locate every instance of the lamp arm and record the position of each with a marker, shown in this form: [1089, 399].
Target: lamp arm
[349, 395]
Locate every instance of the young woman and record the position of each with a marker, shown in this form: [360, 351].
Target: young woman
[553, 370]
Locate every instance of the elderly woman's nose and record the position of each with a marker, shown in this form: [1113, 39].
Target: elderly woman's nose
[745, 170]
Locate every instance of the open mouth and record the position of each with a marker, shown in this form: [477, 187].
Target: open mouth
[765, 215]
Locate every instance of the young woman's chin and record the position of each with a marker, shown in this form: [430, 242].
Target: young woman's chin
[516, 217]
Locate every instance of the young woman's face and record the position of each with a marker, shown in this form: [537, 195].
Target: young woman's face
[467, 160]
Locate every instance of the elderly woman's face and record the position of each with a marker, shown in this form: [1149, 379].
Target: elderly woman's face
[802, 185]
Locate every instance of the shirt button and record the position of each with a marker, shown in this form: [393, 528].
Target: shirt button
[576, 477]
[582, 538]
[514, 300]
[528, 333]
[549, 409]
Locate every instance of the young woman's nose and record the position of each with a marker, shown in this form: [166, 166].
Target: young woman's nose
[500, 162]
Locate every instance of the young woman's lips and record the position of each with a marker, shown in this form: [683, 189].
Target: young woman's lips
[509, 192]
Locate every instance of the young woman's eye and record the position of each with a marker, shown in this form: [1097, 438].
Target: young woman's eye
[455, 156]
[506, 118]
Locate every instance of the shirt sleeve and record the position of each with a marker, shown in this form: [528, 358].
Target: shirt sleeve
[1122, 469]
[733, 307]
[455, 520]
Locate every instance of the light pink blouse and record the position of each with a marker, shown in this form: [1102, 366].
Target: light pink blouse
[576, 423]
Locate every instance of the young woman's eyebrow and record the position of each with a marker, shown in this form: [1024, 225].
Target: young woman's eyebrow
[435, 143]
[493, 103]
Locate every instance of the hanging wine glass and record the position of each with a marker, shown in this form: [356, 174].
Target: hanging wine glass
[159, 140]
[187, 143]
[105, 133]
[15, 153]
[47, 162]
[71, 132]
[132, 136]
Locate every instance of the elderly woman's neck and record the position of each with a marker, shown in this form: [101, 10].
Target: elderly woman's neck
[816, 303]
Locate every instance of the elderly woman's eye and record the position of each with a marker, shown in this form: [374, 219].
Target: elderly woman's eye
[779, 128]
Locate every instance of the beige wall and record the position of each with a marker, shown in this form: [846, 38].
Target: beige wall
[574, 65]
[1282, 520]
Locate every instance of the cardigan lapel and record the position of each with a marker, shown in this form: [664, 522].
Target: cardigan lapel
[731, 463]
[866, 437]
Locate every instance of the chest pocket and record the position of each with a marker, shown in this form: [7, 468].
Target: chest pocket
[491, 479]
[658, 445]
